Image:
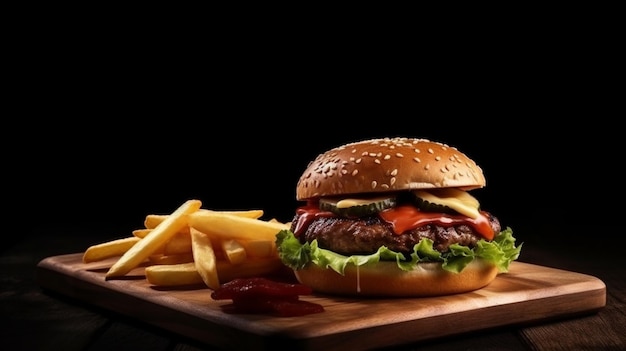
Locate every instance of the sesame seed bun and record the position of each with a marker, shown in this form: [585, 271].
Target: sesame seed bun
[388, 164]
[384, 279]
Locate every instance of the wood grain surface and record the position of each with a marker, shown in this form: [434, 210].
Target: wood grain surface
[528, 293]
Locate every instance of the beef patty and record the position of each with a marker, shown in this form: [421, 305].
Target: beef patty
[350, 236]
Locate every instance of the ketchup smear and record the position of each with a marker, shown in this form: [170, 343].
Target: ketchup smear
[259, 295]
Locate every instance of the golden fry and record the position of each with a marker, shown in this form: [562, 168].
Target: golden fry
[109, 249]
[152, 220]
[187, 274]
[259, 248]
[227, 226]
[173, 274]
[204, 258]
[178, 244]
[235, 252]
[141, 233]
[153, 241]
[171, 259]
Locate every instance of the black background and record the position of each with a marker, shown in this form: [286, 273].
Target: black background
[104, 132]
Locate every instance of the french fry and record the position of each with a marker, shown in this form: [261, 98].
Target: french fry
[173, 274]
[235, 252]
[171, 259]
[187, 274]
[178, 244]
[152, 220]
[259, 248]
[158, 237]
[227, 226]
[204, 258]
[141, 233]
[108, 249]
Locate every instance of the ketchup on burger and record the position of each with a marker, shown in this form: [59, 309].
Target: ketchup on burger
[393, 217]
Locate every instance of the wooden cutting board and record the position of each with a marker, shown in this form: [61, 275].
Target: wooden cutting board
[527, 293]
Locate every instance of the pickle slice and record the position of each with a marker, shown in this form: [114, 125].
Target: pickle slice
[357, 207]
[447, 200]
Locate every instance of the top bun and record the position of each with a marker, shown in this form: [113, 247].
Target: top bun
[388, 164]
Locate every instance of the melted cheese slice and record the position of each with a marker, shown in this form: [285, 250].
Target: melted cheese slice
[456, 199]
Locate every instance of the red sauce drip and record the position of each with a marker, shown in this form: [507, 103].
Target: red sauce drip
[258, 295]
[404, 218]
[306, 215]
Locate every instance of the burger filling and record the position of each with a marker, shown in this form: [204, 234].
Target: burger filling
[445, 226]
[362, 236]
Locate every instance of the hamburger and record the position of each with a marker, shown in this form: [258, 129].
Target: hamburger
[394, 217]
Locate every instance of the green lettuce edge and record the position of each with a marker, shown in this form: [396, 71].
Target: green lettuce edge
[500, 251]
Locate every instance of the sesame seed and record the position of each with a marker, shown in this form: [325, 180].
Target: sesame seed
[355, 172]
[372, 154]
[377, 161]
[416, 159]
[384, 186]
[399, 155]
[430, 151]
[427, 167]
[387, 157]
[417, 150]
[392, 181]
[358, 160]
[394, 172]
[374, 183]
[438, 158]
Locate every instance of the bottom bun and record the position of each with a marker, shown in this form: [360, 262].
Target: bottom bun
[386, 279]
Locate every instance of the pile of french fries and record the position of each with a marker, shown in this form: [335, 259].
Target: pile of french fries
[193, 245]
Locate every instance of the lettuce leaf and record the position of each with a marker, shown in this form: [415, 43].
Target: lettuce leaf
[501, 251]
